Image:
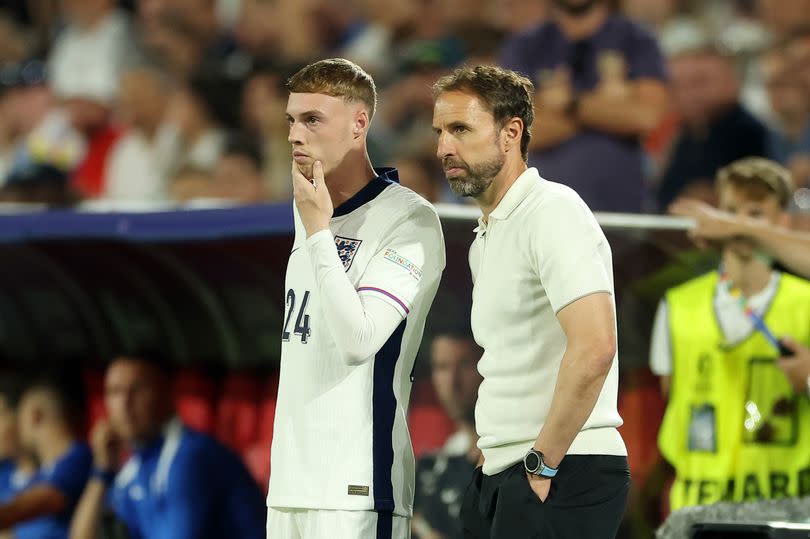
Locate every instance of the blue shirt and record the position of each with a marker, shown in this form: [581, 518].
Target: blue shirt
[782, 149]
[187, 485]
[69, 475]
[606, 170]
[6, 471]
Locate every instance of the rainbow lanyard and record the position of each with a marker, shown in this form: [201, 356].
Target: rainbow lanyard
[742, 301]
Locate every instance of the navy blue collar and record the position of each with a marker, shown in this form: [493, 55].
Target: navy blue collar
[385, 177]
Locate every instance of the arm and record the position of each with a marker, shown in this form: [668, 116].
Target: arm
[660, 351]
[93, 501]
[553, 98]
[556, 128]
[361, 321]
[87, 518]
[791, 248]
[797, 366]
[34, 502]
[589, 326]
[359, 326]
[633, 114]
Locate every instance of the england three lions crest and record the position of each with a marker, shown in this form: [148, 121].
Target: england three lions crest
[347, 248]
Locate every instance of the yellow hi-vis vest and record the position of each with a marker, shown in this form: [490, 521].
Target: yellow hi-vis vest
[734, 429]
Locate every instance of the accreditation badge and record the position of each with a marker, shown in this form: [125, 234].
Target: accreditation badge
[703, 429]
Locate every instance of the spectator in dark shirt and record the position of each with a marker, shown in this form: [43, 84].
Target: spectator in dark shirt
[441, 479]
[600, 87]
[178, 484]
[42, 504]
[715, 128]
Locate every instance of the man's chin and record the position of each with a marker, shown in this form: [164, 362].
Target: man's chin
[305, 169]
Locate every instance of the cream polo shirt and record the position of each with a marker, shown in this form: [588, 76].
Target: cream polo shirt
[541, 250]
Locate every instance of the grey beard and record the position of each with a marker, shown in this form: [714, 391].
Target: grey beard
[469, 187]
[478, 179]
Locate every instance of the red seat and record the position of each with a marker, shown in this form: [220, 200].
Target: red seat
[237, 420]
[267, 410]
[429, 424]
[195, 397]
[257, 460]
[642, 409]
[94, 385]
[430, 427]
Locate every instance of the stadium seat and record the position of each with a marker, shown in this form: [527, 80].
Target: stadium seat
[642, 409]
[94, 386]
[429, 424]
[237, 419]
[267, 410]
[195, 397]
[257, 460]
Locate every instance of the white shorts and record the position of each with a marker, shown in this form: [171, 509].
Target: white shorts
[324, 524]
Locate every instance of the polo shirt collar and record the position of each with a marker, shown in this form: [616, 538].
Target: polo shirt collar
[516, 194]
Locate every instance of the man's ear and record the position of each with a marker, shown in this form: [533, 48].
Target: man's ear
[513, 133]
[361, 122]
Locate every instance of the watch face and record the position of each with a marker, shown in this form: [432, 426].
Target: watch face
[532, 462]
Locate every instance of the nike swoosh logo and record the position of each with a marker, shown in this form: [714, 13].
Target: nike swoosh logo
[294, 250]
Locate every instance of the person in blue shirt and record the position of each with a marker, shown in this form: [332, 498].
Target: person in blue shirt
[178, 483]
[42, 500]
[9, 444]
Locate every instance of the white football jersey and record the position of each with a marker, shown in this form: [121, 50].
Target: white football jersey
[340, 438]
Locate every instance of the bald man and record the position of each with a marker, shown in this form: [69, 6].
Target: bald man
[49, 417]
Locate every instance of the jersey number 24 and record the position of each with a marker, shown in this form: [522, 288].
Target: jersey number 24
[301, 321]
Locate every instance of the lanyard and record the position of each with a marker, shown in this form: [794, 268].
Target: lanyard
[742, 301]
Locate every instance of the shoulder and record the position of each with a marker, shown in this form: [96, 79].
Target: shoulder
[797, 285]
[550, 202]
[198, 450]
[401, 211]
[405, 202]
[631, 29]
[531, 35]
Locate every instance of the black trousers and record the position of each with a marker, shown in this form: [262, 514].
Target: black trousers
[587, 500]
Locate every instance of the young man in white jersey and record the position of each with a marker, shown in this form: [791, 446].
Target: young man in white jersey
[363, 271]
[553, 463]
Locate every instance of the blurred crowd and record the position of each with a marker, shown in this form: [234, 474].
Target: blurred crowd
[150, 102]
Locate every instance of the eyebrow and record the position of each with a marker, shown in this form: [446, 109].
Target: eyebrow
[453, 125]
[313, 112]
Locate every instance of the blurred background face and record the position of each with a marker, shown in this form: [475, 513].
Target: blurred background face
[737, 201]
[798, 52]
[262, 102]
[237, 178]
[454, 364]
[29, 417]
[8, 431]
[320, 129]
[786, 91]
[84, 12]
[136, 400]
[702, 84]
[142, 99]
[574, 6]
